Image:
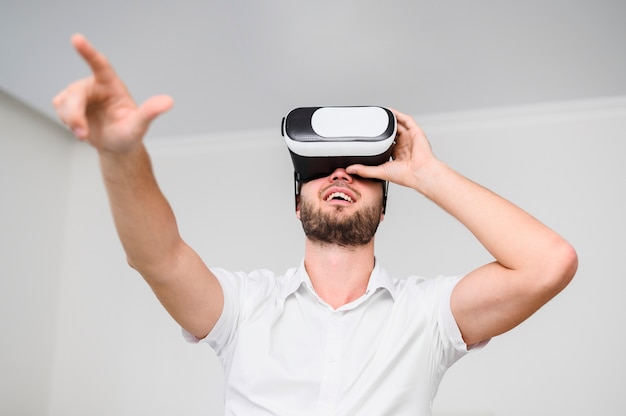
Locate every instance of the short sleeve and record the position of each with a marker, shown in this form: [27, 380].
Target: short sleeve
[225, 325]
[445, 286]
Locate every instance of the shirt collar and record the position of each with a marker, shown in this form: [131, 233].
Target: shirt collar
[379, 279]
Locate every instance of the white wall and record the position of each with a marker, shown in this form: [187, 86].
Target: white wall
[564, 164]
[34, 173]
[118, 353]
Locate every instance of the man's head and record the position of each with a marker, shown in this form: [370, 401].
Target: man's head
[340, 209]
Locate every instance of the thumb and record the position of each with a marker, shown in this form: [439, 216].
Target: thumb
[365, 171]
[153, 107]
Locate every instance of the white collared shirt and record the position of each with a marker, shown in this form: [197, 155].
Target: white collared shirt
[286, 352]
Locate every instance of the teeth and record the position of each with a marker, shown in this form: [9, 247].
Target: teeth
[339, 195]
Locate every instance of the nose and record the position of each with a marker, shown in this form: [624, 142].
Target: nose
[340, 174]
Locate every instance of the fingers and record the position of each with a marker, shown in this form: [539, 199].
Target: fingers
[406, 122]
[70, 105]
[99, 64]
[365, 171]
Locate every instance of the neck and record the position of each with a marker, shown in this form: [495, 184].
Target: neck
[339, 274]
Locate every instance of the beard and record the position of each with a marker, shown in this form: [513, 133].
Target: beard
[354, 230]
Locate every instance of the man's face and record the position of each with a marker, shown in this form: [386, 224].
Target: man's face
[340, 209]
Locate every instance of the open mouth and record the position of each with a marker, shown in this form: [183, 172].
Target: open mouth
[338, 196]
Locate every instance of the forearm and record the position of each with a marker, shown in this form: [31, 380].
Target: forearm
[515, 239]
[143, 218]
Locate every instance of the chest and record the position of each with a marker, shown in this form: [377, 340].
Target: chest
[314, 357]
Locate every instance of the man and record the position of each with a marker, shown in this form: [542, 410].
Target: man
[335, 335]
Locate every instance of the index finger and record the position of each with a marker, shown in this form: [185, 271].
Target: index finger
[98, 63]
[404, 119]
[407, 124]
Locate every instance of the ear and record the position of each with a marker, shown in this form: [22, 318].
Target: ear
[298, 206]
[297, 188]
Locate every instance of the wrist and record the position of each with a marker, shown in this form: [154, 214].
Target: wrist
[128, 163]
[430, 178]
[121, 153]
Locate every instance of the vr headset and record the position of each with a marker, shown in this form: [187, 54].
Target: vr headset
[322, 139]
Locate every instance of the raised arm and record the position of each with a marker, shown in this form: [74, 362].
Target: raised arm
[532, 263]
[99, 110]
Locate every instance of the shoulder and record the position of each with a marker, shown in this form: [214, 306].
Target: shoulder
[258, 282]
[425, 294]
[425, 286]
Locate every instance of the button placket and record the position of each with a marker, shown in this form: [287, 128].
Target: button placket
[331, 390]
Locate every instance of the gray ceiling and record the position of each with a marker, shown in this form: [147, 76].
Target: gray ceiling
[243, 64]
